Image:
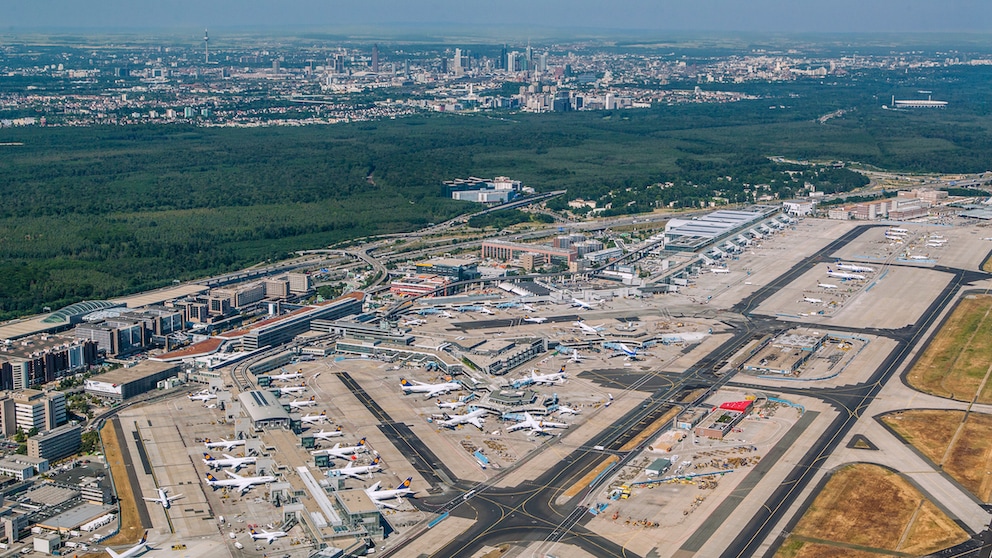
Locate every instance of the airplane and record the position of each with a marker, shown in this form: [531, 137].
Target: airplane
[227, 461]
[812, 300]
[897, 230]
[431, 390]
[305, 403]
[576, 357]
[855, 267]
[486, 311]
[269, 536]
[445, 314]
[204, 396]
[328, 435]
[535, 319]
[415, 322]
[826, 285]
[919, 257]
[549, 379]
[294, 390]
[535, 426]
[164, 499]
[350, 470]
[377, 496]
[842, 275]
[631, 353]
[286, 377]
[529, 308]
[563, 410]
[314, 419]
[135, 550]
[474, 418]
[449, 404]
[720, 270]
[585, 305]
[346, 452]
[226, 444]
[586, 328]
[243, 484]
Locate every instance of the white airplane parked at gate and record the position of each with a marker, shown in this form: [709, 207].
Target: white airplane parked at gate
[346, 452]
[204, 396]
[314, 419]
[164, 499]
[312, 402]
[856, 268]
[475, 418]
[377, 495]
[556, 378]
[826, 285]
[328, 435]
[812, 300]
[449, 404]
[226, 444]
[285, 377]
[486, 311]
[535, 426]
[898, 230]
[927, 257]
[429, 390]
[355, 471]
[269, 536]
[227, 461]
[294, 390]
[242, 484]
[585, 305]
[575, 356]
[843, 275]
[587, 329]
[414, 322]
[563, 410]
[135, 550]
[535, 319]
[720, 270]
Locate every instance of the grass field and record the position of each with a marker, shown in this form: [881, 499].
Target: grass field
[962, 449]
[959, 359]
[866, 510]
[590, 476]
[987, 266]
[131, 529]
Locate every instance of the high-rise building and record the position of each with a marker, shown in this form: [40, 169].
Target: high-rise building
[501, 64]
[457, 62]
[36, 409]
[375, 58]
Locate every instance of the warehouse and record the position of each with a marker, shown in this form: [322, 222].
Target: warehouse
[124, 383]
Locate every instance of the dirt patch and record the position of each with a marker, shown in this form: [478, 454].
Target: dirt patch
[932, 431]
[588, 478]
[987, 266]
[130, 521]
[872, 509]
[798, 548]
[959, 357]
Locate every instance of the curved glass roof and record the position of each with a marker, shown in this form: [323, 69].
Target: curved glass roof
[78, 309]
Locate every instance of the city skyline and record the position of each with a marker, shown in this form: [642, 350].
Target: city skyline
[774, 16]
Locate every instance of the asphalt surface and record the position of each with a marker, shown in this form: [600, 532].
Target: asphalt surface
[527, 512]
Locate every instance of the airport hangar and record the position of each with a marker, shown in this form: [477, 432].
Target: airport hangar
[692, 235]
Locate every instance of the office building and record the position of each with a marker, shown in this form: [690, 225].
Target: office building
[115, 336]
[375, 58]
[56, 444]
[459, 269]
[124, 383]
[40, 410]
[38, 359]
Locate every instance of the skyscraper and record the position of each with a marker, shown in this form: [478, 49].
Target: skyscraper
[375, 58]
[458, 62]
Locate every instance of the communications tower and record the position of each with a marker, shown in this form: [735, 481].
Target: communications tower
[206, 49]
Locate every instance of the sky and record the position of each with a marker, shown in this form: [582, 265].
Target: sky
[778, 16]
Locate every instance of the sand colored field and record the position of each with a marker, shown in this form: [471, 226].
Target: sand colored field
[869, 509]
[801, 548]
[590, 476]
[959, 359]
[130, 522]
[962, 449]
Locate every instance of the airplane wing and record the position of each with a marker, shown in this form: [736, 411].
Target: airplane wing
[154, 499]
[234, 476]
[477, 422]
[385, 504]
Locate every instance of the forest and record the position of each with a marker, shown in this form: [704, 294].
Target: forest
[96, 212]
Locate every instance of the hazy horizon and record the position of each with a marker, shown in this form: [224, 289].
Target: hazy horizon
[558, 16]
